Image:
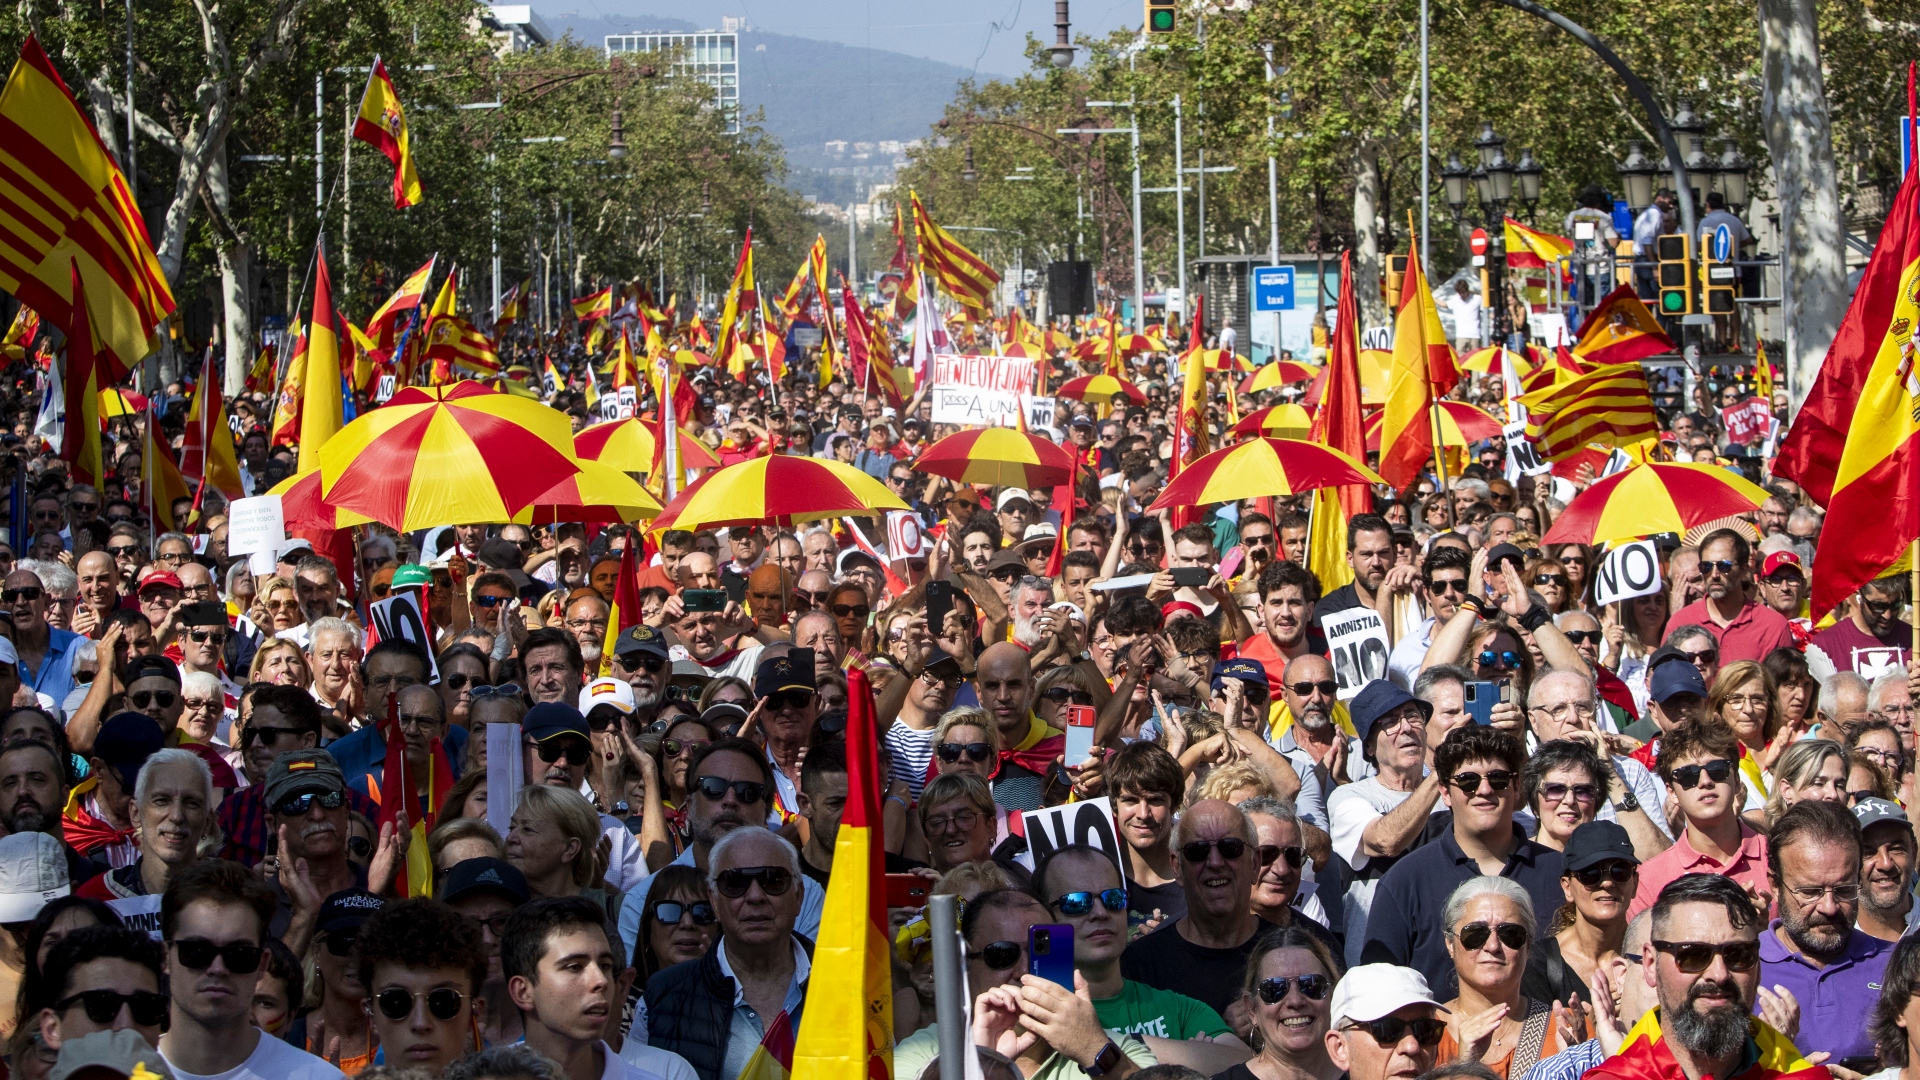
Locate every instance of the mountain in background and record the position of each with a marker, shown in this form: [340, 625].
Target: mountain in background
[840, 111]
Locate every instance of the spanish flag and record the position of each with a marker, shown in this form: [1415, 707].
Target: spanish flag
[161, 484]
[383, 327]
[741, 300]
[965, 276]
[847, 1030]
[1528, 248]
[1422, 371]
[1852, 446]
[26, 323]
[1337, 424]
[396, 782]
[383, 125]
[1644, 1055]
[262, 369]
[321, 411]
[286, 410]
[80, 447]
[626, 604]
[1762, 374]
[206, 453]
[594, 305]
[1608, 406]
[1619, 330]
[1190, 430]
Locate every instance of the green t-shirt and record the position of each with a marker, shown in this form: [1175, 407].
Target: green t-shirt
[918, 1050]
[1140, 1009]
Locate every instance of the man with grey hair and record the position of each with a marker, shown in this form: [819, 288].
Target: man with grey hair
[1562, 705]
[172, 812]
[818, 631]
[63, 590]
[333, 655]
[172, 548]
[1804, 524]
[1203, 954]
[1027, 601]
[317, 585]
[1845, 701]
[1890, 699]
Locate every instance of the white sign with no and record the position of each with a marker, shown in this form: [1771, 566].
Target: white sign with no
[1628, 571]
[1357, 638]
[1055, 827]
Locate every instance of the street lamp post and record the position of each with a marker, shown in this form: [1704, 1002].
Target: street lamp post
[1132, 130]
[1493, 179]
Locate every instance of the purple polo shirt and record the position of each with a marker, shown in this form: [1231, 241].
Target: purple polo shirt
[1835, 1001]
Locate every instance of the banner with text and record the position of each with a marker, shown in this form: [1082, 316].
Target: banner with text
[983, 390]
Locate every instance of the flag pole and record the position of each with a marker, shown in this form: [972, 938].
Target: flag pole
[1440, 461]
[1913, 583]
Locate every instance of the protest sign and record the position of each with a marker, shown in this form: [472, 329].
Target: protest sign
[1357, 638]
[400, 616]
[983, 390]
[1523, 459]
[1746, 422]
[1089, 823]
[1628, 571]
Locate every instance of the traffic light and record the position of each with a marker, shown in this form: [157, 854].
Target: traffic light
[1160, 16]
[1717, 281]
[1396, 274]
[1675, 273]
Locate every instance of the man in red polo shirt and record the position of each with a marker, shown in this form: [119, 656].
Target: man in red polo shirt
[1287, 595]
[1745, 628]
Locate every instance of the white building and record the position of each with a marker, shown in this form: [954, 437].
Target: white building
[711, 56]
[515, 28]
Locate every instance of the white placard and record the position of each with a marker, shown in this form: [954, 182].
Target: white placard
[1055, 827]
[983, 390]
[400, 616]
[261, 563]
[609, 407]
[627, 402]
[1040, 411]
[385, 387]
[256, 524]
[1547, 326]
[905, 538]
[504, 774]
[1617, 461]
[1377, 337]
[1357, 640]
[1523, 459]
[1628, 571]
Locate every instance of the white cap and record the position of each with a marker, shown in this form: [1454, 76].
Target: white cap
[7, 655]
[1010, 495]
[1041, 530]
[1372, 991]
[614, 692]
[33, 872]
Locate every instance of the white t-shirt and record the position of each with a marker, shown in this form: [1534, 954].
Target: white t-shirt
[1350, 809]
[638, 1061]
[272, 1059]
[912, 752]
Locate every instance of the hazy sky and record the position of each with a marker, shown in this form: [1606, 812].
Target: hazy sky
[988, 36]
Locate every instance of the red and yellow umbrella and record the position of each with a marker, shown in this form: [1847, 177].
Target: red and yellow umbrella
[1100, 388]
[1461, 424]
[117, 403]
[1658, 497]
[303, 507]
[443, 455]
[1003, 456]
[629, 445]
[1494, 358]
[778, 490]
[1259, 467]
[1279, 422]
[1277, 374]
[598, 492]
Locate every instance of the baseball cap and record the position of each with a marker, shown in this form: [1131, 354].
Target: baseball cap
[105, 1054]
[7, 655]
[782, 673]
[1780, 559]
[1012, 495]
[1870, 812]
[1081, 421]
[33, 872]
[1598, 842]
[485, 874]
[154, 578]
[938, 662]
[201, 613]
[1506, 551]
[409, 574]
[640, 638]
[290, 551]
[1372, 991]
[1669, 680]
[551, 719]
[1375, 700]
[613, 692]
[126, 741]
[1247, 671]
[348, 909]
[303, 772]
[500, 554]
[1006, 557]
[724, 716]
[154, 667]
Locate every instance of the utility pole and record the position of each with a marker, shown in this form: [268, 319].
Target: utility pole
[1273, 175]
[132, 169]
[1180, 208]
[1132, 130]
[1426, 134]
[319, 146]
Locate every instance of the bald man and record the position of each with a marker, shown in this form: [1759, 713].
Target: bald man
[770, 595]
[99, 592]
[698, 570]
[1004, 683]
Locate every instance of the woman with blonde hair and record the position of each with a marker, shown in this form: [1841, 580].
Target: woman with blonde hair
[551, 840]
[1235, 783]
[456, 840]
[1809, 770]
[281, 662]
[277, 607]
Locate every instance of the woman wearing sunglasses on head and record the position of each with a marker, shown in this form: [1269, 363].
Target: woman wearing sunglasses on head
[1290, 978]
[421, 964]
[551, 839]
[1490, 927]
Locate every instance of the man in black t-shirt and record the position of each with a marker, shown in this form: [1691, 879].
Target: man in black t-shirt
[823, 798]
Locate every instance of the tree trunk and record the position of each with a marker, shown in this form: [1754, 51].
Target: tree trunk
[236, 276]
[1366, 235]
[1800, 140]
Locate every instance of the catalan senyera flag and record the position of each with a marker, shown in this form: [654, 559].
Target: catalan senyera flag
[161, 484]
[1562, 369]
[206, 453]
[1619, 330]
[1644, 1055]
[1190, 431]
[1852, 445]
[1422, 371]
[1608, 406]
[593, 306]
[396, 782]
[65, 204]
[1529, 247]
[1337, 424]
[847, 1030]
[383, 125]
[80, 446]
[20, 335]
[321, 411]
[384, 326]
[965, 276]
[626, 605]
[741, 300]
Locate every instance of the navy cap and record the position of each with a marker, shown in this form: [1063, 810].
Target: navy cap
[151, 667]
[126, 741]
[939, 663]
[485, 874]
[551, 719]
[782, 673]
[640, 638]
[1871, 812]
[1598, 842]
[1375, 700]
[1506, 551]
[1247, 671]
[348, 909]
[1669, 680]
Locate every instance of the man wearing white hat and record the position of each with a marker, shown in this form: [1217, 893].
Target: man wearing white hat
[1383, 1023]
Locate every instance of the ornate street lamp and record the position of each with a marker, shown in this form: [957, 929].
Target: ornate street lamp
[967, 171]
[1529, 172]
[617, 141]
[1733, 174]
[1454, 177]
[1636, 176]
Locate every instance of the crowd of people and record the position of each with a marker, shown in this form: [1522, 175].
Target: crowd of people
[1547, 837]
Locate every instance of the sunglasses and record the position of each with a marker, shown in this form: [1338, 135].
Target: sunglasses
[1704, 656]
[747, 791]
[198, 954]
[1450, 585]
[774, 881]
[266, 735]
[670, 913]
[1582, 793]
[652, 662]
[1583, 637]
[999, 955]
[1469, 782]
[486, 601]
[976, 751]
[147, 1008]
[1475, 935]
[296, 805]
[811, 598]
[794, 700]
[504, 690]
[1693, 957]
[1717, 770]
[201, 637]
[1326, 687]
[27, 592]
[125, 551]
[553, 750]
[1552, 579]
[1312, 987]
[1231, 848]
[1389, 1030]
[854, 611]
[397, 1004]
[1079, 903]
[1619, 873]
[1723, 567]
[1506, 660]
[359, 847]
[676, 747]
[1295, 855]
[342, 944]
[159, 699]
[1061, 695]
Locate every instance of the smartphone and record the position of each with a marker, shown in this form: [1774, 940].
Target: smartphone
[1050, 953]
[1482, 696]
[906, 890]
[703, 599]
[939, 602]
[736, 587]
[802, 659]
[1080, 721]
[1862, 1064]
[1192, 577]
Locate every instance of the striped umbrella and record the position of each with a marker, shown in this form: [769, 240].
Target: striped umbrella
[440, 455]
[1002, 456]
[597, 492]
[1461, 424]
[1493, 359]
[1276, 375]
[303, 507]
[629, 445]
[1100, 388]
[1279, 422]
[777, 490]
[1658, 497]
[117, 403]
[1260, 467]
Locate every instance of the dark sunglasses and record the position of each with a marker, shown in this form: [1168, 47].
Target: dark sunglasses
[1312, 987]
[676, 747]
[811, 598]
[1553, 579]
[126, 550]
[486, 601]
[1469, 782]
[1616, 872]
[670, 913]
[856, 611]
[1061, 695]
[342, 944]
[634, 661]
[1326, 687]
[295, 805]
[1005, 573]
[25, 592]
[359, 847]
[1717, 770]
[458, 680]
[1079, 903]
[198, 954]
[504, 690]
[1295, 855]
[1704, 656]
[201, 637]
[553, 750]
[1389, 1030]
[1693, 957]
[1584, 637]
[147, 1008]
[774, 881]
[397, 1004]
[1231, 848]
[1585, 793]
[1724, 567]
[950, 751]
[1474, 935]
[790, 699]
[1450, 585]
[715, 787]
[159, 699]
[999, 955]
[1506, 660]
[267, 735]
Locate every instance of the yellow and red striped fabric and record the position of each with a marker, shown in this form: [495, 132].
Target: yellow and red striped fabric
[1285, 421]
[383, 327]
[778, 490]
[965, 276]
[596, 493]
[1100, 388]
[1423, 369]
[1529, 247]
[1644, 1055]
[631, 445]
[1658, 497]
[80, 445]
[1610, 406]
[321, 409]
[1003, 457]
[1259, 467]
[382, 124]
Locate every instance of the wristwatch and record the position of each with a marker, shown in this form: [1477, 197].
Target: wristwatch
[1107, 1060]
[1627, 804]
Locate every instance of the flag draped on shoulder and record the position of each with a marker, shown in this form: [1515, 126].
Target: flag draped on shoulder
[1609, 406]
[322, 413]
[1422, 370]
[1619, 330]
[67, 214]
[965, 276]
[383, 125]
[80, 444]
[1644, 1055]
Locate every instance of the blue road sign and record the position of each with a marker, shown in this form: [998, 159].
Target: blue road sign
[1722, 243]
[1906, 140]
[1273, 288]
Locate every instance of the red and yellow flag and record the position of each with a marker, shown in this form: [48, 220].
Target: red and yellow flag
[1528, 247]
[1422, 371]
[1190, 431]
[396, 783]
[1762, 374]
[161, 484]
[626, 603]
[513, 306]
[206, 453]
[1608, 406]
[384, 326]
[80, 447]
[286, 410]
[594, 305]
[1644, 1055]
[1337, 424]
[383, 125]
[262, 369]
[1559, 371]
[67, 214]
[321, 411]
[963, 275]
[1619, 330]
[742, 299]
[847, 1030]
[26, 324]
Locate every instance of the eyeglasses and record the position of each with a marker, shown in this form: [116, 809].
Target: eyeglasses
[793, 700]
[1813, 894]
[587, 624]
[634, 661]
[203, 704]
[198, 954]
[504, 690]
[296, 805]
[964, 820]
[1582, 793]
[341, 944]
[1717, 770]
[670, 913]
[999, 955]
[1312, 987]
[853, 611]
[1552, 579]
[1704, 656]
[1584, 637]
[397, 1004]
[1061, 695]
[487, 600]
[123, 551]
[25, 592]
[1582, 710]
[1616, 872]
[576, 752]
[1723, 567]
[715, 787]
[1231, 848]
[1262, 540]
[975, 751]
[147, 1008]
[266, 735]
[1469, 782]
[1295, 855]
[1505, 660]
[1079, 903]
[1693, 957]
[1474, 935]
[419, 721]
[773, 880]
[1389, 1030]
[1325, 687]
